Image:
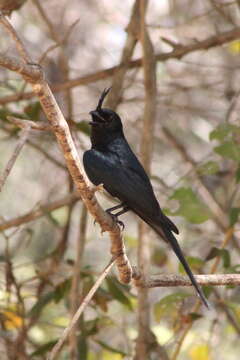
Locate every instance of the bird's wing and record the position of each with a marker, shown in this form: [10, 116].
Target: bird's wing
[128, 183]
[120, 181]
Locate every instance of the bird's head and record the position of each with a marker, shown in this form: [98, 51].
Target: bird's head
[105, 120]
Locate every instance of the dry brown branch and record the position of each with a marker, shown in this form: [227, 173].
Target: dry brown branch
[20, 47]
[80, 310]
[40, 149]
[63, 135]
[176, 53]
[22, 123]
[181, 280]
[115, 94]
[63, 59]
[75, 293]
[40, 211]
[218, 214]
[143, 343]
[13, 64]
[23, 137]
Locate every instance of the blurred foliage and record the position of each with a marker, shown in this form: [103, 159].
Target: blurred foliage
[190, 206]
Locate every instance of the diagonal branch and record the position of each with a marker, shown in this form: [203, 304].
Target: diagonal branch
[41, 210]
[63, 135]
[11, 162]
[80, 310]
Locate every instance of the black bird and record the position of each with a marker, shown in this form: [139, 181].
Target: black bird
[111, 162]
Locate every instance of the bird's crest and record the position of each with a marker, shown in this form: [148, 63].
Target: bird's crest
[102, 97]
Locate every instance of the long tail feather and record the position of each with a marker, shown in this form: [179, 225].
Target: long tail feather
[170, 238]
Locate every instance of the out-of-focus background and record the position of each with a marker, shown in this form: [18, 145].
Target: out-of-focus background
[50, 250]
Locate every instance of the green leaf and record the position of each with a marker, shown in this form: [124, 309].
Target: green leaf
[4, 113]
[229, 150]
[84, 127]
[195, 263]
[41, 303]
[33, 111]
[190, 206]
[168, 304]
[209, 168]
[159, 257]
[117, 292]
[237, 175]
[61, 290]
[101, 298]
[234, 214]
[110, 348]
[43, 349]
[235, 269]
[91, 327]
[82, 347]
[223, 132]
[223, 253]
[195, 316]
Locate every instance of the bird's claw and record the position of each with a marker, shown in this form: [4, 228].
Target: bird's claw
[119, 222]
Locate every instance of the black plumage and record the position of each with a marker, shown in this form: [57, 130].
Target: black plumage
[111, 162]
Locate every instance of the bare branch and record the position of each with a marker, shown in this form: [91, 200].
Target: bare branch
[21, 49]
[80, 310]
[181, 280]
[11, 162]
[176, 53]
[75, 292]
[22, 123]
[114, 96]
[143, 348]
[40, 211]
[14, 64]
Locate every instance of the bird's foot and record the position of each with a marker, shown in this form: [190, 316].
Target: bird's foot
[119, 222]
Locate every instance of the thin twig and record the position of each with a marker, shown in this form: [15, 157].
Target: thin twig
[217, 212]
[41, 210]
[115, 94]
[22, 123]
[181, 280]
[11, 162]
[75, 292]
[143, 347]
[80, 310]
[177, 53]
[21, 49]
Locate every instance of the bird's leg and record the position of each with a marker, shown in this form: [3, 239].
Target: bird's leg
[115, 216]
[119, 206]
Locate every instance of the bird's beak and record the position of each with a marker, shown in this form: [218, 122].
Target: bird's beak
[97, 118]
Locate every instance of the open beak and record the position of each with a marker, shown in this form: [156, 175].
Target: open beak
[96, 118]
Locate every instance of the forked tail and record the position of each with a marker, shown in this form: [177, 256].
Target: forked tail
[167, 235]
